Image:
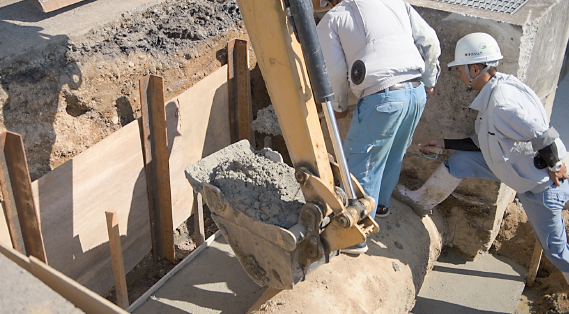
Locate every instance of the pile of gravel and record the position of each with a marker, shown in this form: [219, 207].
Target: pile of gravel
[252, 183]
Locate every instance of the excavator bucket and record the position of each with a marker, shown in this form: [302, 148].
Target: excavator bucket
[257, 202]
[269, 253]
[265, 251]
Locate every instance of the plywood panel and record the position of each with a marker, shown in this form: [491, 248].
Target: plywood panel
[204, 125]
[72, 201]
[73, 198]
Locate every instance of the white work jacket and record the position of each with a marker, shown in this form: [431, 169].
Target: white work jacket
[389, 36]
[510, 116]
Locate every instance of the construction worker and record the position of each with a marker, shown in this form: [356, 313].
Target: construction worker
[377, 47]
[513, 144]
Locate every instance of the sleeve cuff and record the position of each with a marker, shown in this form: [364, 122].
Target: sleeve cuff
[545, 139]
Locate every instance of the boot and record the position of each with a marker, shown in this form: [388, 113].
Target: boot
[437, 188]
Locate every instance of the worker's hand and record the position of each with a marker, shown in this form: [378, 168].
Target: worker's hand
[340, 115]
[433, 143]
[561, 174]
[430, 91]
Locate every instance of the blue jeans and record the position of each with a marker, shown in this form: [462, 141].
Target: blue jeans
[543, 209]
[380, 132]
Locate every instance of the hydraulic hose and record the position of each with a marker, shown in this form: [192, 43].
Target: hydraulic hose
[302, 19]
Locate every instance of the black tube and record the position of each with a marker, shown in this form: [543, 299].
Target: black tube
[305, 28]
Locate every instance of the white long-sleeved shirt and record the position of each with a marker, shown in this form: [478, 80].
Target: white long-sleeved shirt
[389, 36]
[510, 116]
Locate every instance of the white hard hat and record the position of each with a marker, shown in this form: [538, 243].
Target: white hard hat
[476, 48]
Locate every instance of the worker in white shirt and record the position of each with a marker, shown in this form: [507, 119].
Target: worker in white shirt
[513, 144]
[388, 55]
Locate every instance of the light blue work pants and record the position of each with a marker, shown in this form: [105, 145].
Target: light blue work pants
[543, 209]
[380, 132]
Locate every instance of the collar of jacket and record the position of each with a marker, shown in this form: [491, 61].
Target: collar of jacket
[480, 103]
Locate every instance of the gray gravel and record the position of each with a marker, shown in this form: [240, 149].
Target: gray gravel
[267, 122]
[252, 183]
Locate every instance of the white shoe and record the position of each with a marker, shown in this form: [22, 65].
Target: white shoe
[357, 249]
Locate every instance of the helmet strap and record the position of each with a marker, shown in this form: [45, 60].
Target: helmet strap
[467, 68]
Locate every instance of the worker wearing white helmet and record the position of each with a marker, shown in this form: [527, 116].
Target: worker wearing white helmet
[513, 144]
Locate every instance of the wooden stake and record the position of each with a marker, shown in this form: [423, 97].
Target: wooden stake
[199, 232]
[240, 108]
[268, 142]
[19, 207]
[117, 259]
[534, 264]
[155, 146]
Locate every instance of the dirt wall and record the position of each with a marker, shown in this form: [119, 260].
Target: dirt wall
[67, 95]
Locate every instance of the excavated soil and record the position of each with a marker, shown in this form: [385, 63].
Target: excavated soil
[69, 96]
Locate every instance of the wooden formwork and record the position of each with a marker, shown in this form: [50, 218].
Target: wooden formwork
[72, 199]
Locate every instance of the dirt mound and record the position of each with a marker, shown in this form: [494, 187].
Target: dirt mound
[69, 94]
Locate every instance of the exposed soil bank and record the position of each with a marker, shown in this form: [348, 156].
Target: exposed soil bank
[70, 94]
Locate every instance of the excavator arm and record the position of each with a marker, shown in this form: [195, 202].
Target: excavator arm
[330, 220]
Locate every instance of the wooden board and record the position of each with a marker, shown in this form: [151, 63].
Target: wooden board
[204, 116]
[80, 296]
[157, 166]
[72, 199]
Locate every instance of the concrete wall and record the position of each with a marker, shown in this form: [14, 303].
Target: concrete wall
[533, 42]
